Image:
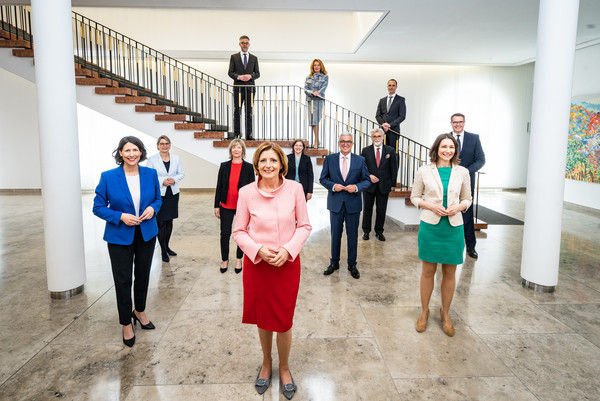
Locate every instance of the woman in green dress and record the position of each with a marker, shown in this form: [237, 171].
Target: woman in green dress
[443, 190]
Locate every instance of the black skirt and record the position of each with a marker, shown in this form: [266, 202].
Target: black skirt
[170, 206]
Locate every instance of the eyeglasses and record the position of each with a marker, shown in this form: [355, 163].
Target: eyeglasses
[346, 142]
[244, 43]
[458, 122]
[164, 143]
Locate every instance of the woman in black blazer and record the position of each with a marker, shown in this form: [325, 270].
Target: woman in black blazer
[233, 175]
[304, 172]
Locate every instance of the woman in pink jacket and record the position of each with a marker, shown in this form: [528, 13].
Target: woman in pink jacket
[271, 226]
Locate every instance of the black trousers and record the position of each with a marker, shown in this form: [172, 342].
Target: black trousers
[469, 226]
[227, 216]
[380, 200]
[125, 260]
[242, 97]
[165, 228]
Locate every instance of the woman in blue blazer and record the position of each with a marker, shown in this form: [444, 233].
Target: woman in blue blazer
[170, 172]
[300, 168]
[128, 198]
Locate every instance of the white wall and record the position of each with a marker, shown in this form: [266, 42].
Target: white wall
[586, 82]
[20, 151]
[495, 100]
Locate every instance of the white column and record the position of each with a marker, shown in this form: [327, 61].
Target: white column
[557, 29]
[59, 146]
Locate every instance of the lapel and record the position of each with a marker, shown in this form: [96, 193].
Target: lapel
[161, 165]
[122, 181]
[436, 177]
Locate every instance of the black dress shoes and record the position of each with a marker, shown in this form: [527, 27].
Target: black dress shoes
[165, 258]
[171, 252]
[365, 236]
[472, 253]
[354, 272]
[380, 237]
[149, 326]
[331, 268]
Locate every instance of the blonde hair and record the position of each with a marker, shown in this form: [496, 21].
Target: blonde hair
[312, 67]
[237, 141]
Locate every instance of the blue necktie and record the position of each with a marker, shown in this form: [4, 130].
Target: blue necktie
[458, 140]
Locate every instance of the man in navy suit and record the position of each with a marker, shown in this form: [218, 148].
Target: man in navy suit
[471, 157]
[344, 175]
[383, 172]
[243, 69]
[391, 111]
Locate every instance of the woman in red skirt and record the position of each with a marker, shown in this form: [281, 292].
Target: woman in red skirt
[271, 226]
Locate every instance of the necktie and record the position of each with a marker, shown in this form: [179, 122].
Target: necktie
[345, 167]
[389, 103]
[378, 156]
[245, 60]
[458, 140]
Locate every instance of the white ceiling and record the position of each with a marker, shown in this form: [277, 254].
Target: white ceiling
[470, 32]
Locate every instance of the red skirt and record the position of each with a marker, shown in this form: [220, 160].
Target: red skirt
[270, 294]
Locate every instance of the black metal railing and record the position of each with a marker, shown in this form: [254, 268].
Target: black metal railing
[280, 112]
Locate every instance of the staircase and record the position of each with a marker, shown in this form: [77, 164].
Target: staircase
[118, 66]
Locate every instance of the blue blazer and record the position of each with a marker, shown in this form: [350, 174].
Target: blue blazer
[113, 199]
[305, 172]
[358, 175]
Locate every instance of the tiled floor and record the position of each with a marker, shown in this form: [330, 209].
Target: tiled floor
[353, 339]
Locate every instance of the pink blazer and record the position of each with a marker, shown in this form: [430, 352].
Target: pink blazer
[276, 220]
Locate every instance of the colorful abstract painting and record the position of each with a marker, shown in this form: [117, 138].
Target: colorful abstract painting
[583, 152]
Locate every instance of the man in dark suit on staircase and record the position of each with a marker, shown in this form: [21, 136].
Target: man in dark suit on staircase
[243, 69]
[391, 111]
[383, 172]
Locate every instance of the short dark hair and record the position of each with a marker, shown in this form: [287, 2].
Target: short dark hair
[392, 79]
[433, 152]
[244, 37]
[125, 140]
[277, 149]
[457, 115]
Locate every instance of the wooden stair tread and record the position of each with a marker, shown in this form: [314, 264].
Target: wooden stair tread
[171, 117]
[134, 100]
[190, 126]
[22, 52]
[100, 90]
[15, 43]
[210, 135]
[153, 109]
[96, 82]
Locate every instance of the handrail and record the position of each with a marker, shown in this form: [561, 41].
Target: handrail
[280, 112]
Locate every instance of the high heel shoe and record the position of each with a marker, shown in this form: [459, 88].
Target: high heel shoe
[447, 329]
[238, 271]
[148, 326]
[422, 327]
[171, 252]
[130, 341]
[223, 269]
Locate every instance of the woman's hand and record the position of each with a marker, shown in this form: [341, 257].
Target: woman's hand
[217, 213]
[148, 213]
[130, 219]
[280, 258]
[452, 210]
[168, 182]
[438, 209]
[267, 254]
[308, 196]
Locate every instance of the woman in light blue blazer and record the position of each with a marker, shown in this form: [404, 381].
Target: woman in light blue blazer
[170, 172]
[128, 198]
